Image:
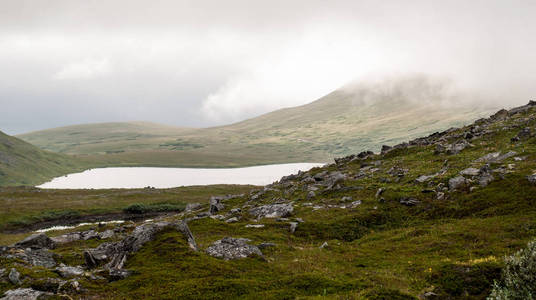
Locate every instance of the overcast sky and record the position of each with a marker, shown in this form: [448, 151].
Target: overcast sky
[204, 63]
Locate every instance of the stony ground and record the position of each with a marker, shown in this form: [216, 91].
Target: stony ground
[430, 219]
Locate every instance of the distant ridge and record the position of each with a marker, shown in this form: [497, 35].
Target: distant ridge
[346, 121]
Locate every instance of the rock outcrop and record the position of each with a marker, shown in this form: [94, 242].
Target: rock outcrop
[230, 248]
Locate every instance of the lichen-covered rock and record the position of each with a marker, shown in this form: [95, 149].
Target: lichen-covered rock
[457, 183]
[14, 276]
[67, 238]
[69, 272]
[34, 257]
[216, 204]
[272, 211]
[35, 241]
[470, 172]
[24, 294]
[230, 248]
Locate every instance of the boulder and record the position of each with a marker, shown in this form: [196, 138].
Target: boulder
[67, 238]
[457, 147]
[36, 241]
[14, 277]
[232, 220]
[24, 294]
[272, 211]
[34, 257]
[470, 172]
[69, 272]
[106, 234]
[457, 183]
[216, 204]
[230, 248]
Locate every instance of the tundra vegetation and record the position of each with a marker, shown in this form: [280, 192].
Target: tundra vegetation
[432, 218]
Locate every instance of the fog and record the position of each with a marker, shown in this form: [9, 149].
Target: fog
[206, 63]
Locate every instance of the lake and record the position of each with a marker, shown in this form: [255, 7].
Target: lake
[139, 177]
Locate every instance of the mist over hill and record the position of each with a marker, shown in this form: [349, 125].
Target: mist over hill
[356, 117]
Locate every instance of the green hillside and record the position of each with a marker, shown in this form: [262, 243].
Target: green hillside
[346, 121]
[432, 218]
[25, 164]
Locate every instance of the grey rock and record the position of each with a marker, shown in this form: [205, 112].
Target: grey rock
[532, 178]
[457, 183]
[67, 238]
[266, 245]
[355, 204]
[218, 217]
[470, 172]
[216, 204]
[14, 276]
[346, 199]
[424, 178]
[24, 294]
[69, 272]
[35, 257]
[333, 179]
[230, 248]
[39, 240]
[458, 147]
[293, 226]
[440, 196]
[496, 157]
[408, 201]
[311, 195]
[235, 211]
[90, 234]
[254, 226]
[272, 211]
[379, 192]
[232, 220]
[324, 245]
[192, 206]
[106, 234]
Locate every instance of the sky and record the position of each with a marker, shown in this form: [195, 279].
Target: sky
[203, 63]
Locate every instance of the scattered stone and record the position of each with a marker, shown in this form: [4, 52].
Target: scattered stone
[192, 206]
[24, 294]
[379, 192]
[232, 220]
[67, 238]
[496, 157]
[34, 257]
[311, 195]
[254, 226]
[218, 217]
[440, 196]
[230, 248]
[324, 245]
[215, 204]
[272, 211]
[106, 234]
[458, 147]
[532, 178]
[470, 172]
[409, 201]
[235, 211]
[14, 276]
[293, 226]
[35, 241]
[517, 158]
[457, 183]
[355, 204]
[346, 199]
[69, 272]
[485, 177]
[424, 178]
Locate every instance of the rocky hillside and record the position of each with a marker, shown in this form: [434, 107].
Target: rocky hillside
[25, 164]
[348, 120]
[431, 219]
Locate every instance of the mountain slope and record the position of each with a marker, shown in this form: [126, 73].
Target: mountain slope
[24, 164]
[346, 121]
[432, 218]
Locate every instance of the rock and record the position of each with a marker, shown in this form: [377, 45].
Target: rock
[106, 234]
[408, 201]
[218, 217]
[254, 226]
[485, 177]
[34, 257]
[457, 183]
[69, 272]
[230, 248]
[192, 206]
[424, 178]
[67, 238]
[355, 204]
[457, 147]
[14, 276]
[69, 287]
[440, 196]
[532, 178]
[39, 240]
[496, 157]
[379, 192]
[90, 234]
[386, 149]
[215, 204]
[272, 211]
[311, 195]
[324, 245]
[293, 226]
[24, 294]
[232, 220]
[346, 199]
[118, 274]
[235, 211]
[470, 172]
[333, 179]
[115, 254]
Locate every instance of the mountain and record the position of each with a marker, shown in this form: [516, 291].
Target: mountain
[24, 164]
[348, 120]
[438, 217]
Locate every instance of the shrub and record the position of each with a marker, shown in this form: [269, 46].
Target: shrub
[518, 276]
